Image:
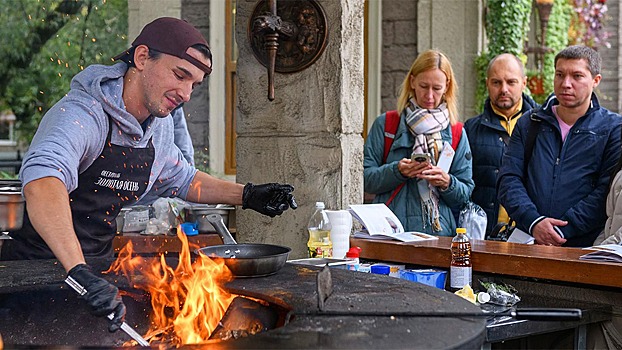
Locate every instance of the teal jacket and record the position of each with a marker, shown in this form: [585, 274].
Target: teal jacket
[381, 179]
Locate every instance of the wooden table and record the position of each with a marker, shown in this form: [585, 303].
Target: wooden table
[545, 277]
[512, 259]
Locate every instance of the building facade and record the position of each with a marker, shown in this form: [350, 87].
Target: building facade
[407, 27]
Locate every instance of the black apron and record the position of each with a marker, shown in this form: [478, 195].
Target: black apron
[117, 178]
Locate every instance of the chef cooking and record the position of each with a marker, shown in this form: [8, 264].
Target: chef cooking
[106, 144]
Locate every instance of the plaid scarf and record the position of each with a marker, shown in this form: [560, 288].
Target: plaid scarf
[426, 126]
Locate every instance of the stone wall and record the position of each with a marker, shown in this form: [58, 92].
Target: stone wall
[197, 109]
[413, 26]
[609, 88]
[310, 135]
[142, 12]
[455, 28]
[399, 47]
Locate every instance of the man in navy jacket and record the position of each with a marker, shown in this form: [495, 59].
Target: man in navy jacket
[559, 196]
[489, 133]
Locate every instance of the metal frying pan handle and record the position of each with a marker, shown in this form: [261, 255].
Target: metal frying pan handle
[546, 314]
[219, 225]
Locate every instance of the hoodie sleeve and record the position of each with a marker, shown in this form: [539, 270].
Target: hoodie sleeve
[182, 136]
[69, 139]
[171, 173]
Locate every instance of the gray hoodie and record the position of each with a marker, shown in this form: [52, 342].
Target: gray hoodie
[73, 132]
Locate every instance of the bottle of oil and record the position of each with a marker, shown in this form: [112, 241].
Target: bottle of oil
[460, 269]
[320, 245]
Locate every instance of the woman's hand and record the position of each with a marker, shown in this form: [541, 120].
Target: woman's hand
[411, 169]
[436, 176]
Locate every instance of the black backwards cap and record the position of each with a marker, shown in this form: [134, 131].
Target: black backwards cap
[170, 36]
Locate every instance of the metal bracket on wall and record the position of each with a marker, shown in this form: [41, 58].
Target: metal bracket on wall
[290, 42]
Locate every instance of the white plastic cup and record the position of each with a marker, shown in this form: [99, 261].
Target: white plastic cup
[341, 227]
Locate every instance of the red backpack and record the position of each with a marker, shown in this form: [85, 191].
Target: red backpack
[390, 128]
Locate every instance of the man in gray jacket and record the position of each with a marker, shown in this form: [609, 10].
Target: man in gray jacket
[107, 143]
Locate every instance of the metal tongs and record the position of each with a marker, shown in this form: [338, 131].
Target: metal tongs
[124, 326]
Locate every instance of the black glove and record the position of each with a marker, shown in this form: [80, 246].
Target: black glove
[102, 296]
[270, 199]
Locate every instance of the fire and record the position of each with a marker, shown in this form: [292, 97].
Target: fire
[187, 302]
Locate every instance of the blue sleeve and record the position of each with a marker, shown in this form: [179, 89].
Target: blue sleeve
[510, 184]
[589, 214]
[379, 177]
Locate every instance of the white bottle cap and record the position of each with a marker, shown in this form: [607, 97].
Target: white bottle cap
[483, 297]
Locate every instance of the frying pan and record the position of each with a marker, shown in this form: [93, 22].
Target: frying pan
[245, 260]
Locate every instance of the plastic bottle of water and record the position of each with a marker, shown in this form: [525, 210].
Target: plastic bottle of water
[320, 245]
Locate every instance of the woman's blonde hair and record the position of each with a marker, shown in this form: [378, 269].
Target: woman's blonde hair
[426, 61]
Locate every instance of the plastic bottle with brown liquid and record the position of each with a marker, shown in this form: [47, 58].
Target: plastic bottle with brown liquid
[460, 270]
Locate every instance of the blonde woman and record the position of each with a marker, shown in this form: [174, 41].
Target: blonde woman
[420, 193]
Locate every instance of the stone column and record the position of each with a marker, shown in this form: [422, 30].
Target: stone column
[456, 28]
[310, 135]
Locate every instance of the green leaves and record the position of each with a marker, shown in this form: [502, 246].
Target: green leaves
[45, 43]
[556, 40]
[507, 25]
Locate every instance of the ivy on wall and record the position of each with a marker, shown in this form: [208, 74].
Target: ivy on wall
[556, 40]
[507, 25]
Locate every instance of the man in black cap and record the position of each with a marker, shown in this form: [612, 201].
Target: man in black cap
[106, 144]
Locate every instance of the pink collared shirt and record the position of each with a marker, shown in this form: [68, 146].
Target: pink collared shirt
[563, 127]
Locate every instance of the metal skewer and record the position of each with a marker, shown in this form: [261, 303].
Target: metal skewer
[124, 326]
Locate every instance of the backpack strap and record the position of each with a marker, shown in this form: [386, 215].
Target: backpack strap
[456, 135]
[392, 121]
[532, 133]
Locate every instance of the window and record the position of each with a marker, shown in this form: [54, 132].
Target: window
[7, 123]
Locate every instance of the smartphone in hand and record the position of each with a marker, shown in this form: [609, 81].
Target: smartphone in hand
[420, 157]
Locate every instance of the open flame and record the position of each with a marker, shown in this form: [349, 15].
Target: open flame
[188, 302]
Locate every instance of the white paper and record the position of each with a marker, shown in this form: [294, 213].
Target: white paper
[605, 252]
[446, 157]
[377, 218]
[402, 236]
[520, 236]
[381, 223]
